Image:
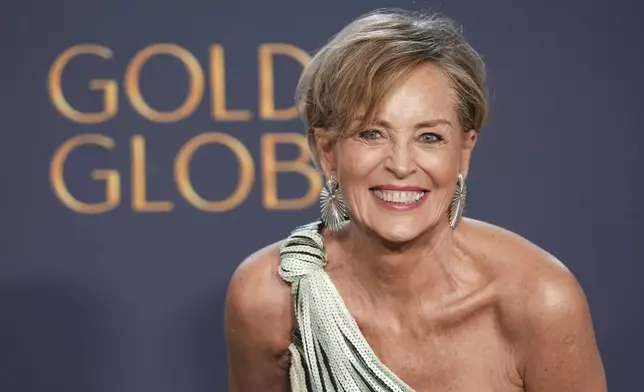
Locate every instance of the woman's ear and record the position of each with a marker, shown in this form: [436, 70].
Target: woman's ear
[469, 141]
[325, 148]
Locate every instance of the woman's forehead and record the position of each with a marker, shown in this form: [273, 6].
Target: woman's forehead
[425, 86]
[425, 96]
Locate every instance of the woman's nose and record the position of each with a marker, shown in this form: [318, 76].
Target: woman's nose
[401, 161]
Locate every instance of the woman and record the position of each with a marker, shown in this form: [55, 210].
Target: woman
[393, 290]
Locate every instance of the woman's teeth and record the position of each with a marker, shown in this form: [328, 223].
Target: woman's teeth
[398, 197]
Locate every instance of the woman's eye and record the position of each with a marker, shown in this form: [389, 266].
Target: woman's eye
[370, 134]
[430, 138]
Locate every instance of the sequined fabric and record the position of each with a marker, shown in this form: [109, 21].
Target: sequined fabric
[329, 353]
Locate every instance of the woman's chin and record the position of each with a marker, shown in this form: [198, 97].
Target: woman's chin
[398, 234]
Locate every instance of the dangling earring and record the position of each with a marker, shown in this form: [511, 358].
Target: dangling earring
[457, 205]
[334, 210]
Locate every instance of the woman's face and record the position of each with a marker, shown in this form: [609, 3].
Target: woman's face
[398, 175]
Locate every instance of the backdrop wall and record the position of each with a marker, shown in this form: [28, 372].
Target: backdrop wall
[150, 146]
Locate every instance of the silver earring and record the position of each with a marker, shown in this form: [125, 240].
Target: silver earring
[457, 205]
[334, 209]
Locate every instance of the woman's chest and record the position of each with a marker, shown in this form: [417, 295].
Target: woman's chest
[468, 356]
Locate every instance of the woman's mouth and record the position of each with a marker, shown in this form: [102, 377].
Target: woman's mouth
[400, 199]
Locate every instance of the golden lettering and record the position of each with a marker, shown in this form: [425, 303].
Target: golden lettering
[271, 166]
[246, 172]
[218, 89]
[267, 108]
[111, 177]
[109, 87]
[195, 89]
[139, 183]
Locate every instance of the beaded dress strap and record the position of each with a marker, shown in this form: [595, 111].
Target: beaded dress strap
[329, 353]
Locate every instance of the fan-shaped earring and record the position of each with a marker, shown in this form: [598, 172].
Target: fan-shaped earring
[457, 205]
[334, 211]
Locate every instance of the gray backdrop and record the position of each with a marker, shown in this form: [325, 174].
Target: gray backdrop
[127, 301]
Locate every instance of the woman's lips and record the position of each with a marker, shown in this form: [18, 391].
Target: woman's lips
[399, 198]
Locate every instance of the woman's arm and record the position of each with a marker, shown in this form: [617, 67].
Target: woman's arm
[258, 327]
[560, 352]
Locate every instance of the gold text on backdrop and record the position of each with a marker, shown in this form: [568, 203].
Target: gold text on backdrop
[269, 163]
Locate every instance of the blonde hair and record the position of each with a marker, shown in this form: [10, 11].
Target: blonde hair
[365, 60]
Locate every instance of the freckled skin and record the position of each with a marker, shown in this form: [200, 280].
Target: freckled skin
[476, 308]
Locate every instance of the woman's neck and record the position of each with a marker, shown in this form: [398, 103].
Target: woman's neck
[397, 274]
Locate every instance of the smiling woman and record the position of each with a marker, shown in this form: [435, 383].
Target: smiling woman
[393, 290]
[411, 148]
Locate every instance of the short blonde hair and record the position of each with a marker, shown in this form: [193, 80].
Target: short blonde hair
[366, 59]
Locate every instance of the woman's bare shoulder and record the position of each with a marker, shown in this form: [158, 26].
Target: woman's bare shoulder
[261, 269]
[539, 297]
[511, 255]
[527, 271]
[258, 303]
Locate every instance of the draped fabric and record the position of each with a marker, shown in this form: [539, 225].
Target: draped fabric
[329, 353]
